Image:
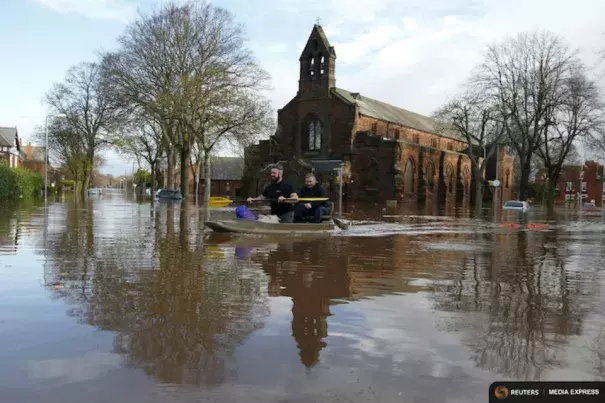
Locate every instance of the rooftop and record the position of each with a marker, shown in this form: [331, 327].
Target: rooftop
[380, 110]
[8, 136]
[227, 168]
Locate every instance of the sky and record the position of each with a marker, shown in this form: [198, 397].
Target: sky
[411, 53]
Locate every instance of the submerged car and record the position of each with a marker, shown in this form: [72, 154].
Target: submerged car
[517, 205]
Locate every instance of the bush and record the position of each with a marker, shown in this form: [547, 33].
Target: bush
[19, 182]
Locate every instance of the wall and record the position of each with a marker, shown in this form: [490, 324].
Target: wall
[372, 168]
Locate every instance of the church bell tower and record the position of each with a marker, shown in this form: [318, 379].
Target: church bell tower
[317, 66]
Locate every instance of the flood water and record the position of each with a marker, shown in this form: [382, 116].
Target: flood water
[111, 300]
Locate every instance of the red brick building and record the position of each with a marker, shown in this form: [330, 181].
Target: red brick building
[578, 182]
[387, 152]
[34, 158]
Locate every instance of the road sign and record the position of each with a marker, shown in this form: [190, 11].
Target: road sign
[496, 183]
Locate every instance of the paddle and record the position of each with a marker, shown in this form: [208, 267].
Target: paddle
[224, 201]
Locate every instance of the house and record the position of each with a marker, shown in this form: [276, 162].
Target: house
[10, 147]
[386, 152]
[34, 158]
[226, 176]
[578, 182]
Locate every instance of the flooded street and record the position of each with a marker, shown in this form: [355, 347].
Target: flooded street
[111, 300]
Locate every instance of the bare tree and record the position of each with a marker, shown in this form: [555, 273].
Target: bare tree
[523, 75]
[577, 115]
[143, 74]
[143, 139]
[89, 112]
[222, 95]
[186, 64]
[473, 117]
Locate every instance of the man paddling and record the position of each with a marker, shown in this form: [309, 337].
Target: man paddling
[279, 189]
[316, 209]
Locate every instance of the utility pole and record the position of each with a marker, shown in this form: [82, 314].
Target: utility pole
[602, 188]
[497, 181]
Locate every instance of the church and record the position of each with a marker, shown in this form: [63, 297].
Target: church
[386, 152]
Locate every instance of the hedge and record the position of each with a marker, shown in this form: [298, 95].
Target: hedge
[19, 182]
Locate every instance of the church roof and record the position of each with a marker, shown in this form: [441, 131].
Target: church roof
[380, 110]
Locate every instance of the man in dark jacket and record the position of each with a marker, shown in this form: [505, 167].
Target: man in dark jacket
[282, 191]
[315, 209]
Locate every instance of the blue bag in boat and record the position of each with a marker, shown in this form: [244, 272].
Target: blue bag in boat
[243, 213]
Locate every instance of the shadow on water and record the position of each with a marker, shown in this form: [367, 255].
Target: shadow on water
[436, 296]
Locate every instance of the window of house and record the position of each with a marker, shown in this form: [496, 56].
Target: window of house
[314, 135]
[416, 138]
[568, 186]
[450, 146]
[374, 127]
[397, 134]
[583, 187]
[434, 142]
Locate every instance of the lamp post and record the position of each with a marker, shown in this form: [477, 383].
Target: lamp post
[58, 115]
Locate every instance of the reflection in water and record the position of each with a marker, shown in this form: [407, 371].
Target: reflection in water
[519, 303]
[187, 307]
[180, 320]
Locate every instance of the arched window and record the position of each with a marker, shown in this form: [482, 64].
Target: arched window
[408, 179]
[321, 66]
[314, 135]
[312, 67]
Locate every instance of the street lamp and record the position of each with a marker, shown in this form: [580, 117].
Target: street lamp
[58, 115]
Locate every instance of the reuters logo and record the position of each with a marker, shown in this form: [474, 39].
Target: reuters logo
[501, 392]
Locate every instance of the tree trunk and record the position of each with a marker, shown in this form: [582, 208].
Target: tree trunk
[525, 171]
[152, 191]
[207, 184]
[185, 172]
[171, 161]
[478, 190]
[197, 184]
[553, 178]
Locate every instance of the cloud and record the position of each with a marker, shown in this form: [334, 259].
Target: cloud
[415, 54]
[89, 366]
[95, 9]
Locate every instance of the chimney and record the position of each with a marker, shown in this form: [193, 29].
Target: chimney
[356, 95]
[28, 151]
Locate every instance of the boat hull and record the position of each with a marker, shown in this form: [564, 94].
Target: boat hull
[265, 228]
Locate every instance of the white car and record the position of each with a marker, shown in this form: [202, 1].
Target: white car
[517, 205]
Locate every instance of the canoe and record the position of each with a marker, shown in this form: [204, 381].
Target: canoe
[266, 228]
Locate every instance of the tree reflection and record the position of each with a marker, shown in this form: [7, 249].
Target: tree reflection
[532, 307]
[178, 315]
